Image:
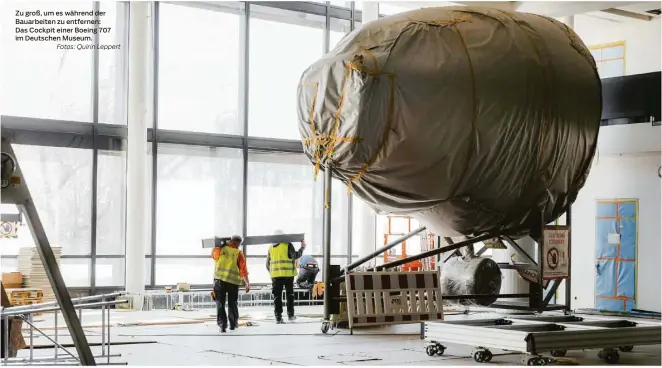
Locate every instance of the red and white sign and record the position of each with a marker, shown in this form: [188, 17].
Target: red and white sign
[555, 252]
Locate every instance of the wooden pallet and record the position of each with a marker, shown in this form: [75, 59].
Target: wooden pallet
[25, 296]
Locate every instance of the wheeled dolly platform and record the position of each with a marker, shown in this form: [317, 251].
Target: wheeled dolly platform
[534, 335]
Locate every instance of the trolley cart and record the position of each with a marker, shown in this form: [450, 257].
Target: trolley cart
[533, 336]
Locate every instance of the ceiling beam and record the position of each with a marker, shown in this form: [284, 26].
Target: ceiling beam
[627, 14]
[562, 9]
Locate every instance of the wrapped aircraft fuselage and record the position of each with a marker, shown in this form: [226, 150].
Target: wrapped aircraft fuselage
[470, 119]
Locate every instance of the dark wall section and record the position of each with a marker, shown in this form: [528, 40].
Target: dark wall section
[631, 99]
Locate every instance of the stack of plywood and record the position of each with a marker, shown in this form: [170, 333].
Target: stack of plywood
[34, 273]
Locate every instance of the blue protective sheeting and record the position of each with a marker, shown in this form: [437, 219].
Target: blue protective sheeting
[606, 210]
[602, 230]
[627, 209]
[609, 304]
[626, 272]
[615, 285]
[628, 238]
[605, 284]
[629, 305]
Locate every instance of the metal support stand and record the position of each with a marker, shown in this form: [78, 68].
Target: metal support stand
[326, 246]
[15, 191]
[568, 290]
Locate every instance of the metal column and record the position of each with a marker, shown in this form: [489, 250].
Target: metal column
[568, 290]
[326, 246]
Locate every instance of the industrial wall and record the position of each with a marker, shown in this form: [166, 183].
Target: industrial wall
[626, 167]
[642, 40]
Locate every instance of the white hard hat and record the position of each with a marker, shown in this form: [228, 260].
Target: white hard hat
[278, 232]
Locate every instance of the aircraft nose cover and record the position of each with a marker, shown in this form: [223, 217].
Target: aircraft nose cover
[469, 119]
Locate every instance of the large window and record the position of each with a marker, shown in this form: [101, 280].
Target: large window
[199, 195]
[282, 45]
[40, 81]
[199, 69]
[610, 59]
[112, 63]
[339, 28]
[339, 217]
[60, 182]
[196, 271]
[111, 202]
[200, 178]
[76, 272]
[280, 196]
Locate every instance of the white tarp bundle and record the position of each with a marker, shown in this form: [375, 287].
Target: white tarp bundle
[469, 119]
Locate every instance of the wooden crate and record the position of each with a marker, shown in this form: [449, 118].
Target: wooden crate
[12, 280]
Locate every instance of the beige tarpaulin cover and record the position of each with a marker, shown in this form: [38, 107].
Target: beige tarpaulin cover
[469, 119]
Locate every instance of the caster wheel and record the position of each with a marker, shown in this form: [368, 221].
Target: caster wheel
[612, 357]
[478, 356]
[487, 356]
[325, 327]
[531, 361]
[440, 349]
[626, 348]
[558, 353]
[430, 350]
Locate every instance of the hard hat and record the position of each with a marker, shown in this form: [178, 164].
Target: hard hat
[237, 238]
[278, 232]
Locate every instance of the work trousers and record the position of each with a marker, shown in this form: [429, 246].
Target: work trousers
[277, 289]
[225, 290]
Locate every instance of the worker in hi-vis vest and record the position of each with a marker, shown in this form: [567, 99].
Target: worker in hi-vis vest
[229, 270]
[281, 265]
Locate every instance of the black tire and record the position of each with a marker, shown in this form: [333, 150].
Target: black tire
[558, 353]
[601, 354]
[325, 327]
[531, 361]
[612, 357]
[487, 356]
[430, 350]
[440, 349]
[626, 348]
[540, 361]
[478, 356]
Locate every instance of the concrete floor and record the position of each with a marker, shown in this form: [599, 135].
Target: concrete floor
[192, 338]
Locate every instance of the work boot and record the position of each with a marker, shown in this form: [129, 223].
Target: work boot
[222, 329]
[279, 320]
[232, 327]
[292, 318]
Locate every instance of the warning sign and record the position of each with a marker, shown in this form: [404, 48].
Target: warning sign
[555, 252]
[8, 229]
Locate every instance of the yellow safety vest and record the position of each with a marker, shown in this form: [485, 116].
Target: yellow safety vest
[280, 264]
[226, 268]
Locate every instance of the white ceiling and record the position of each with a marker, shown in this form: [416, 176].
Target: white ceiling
[614, 10]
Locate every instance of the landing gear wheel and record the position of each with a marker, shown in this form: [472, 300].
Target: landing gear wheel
[558, 353]
[611, 357]
[430, 350]
[325, 327]
[626, 348]
[440, 349]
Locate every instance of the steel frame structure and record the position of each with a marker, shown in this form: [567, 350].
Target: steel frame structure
[333, 277]
[533, 336]
[97, 136]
